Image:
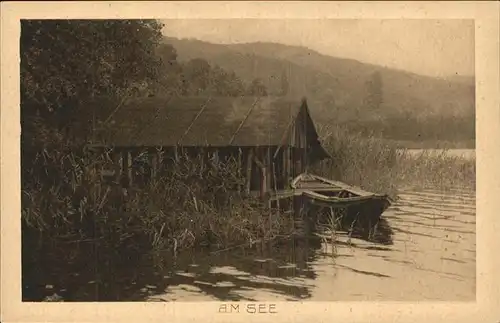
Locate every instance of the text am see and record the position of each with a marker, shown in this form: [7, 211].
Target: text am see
[252, 308]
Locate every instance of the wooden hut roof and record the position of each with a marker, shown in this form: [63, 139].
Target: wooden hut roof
[202, 121]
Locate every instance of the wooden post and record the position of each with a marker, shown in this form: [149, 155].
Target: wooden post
[286, 162]
[283, 174]
[263, 182]
[115, 157]
[240, 166]
[124, 164]
[176, 153]
[249, 170]
[268, 165]
[263, 175]
[119, 155]
[216, 156]
[154, 163]
[124, 179]
[276, 188]
[130, 156]
[200, 157]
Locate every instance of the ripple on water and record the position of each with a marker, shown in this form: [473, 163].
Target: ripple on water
[432, 257]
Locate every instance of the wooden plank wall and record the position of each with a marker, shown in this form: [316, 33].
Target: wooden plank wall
[262, 172]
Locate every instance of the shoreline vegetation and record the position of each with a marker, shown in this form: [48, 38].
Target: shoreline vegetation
[195, 204]
[190, 203]
[432, 144]
[382, 166]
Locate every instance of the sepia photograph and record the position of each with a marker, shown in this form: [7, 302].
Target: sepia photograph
[257, 160]
[249, 160]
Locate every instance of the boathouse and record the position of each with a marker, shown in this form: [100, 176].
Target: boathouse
[274, 139]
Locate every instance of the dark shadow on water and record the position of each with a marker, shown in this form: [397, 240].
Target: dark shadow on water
[455, 202]
[361, 226]
[377, 248]
[404, 262]
[431, 225]
[98, 273]
[383, 233]
[423, 215]
[388, 258]
[437, 207]
[454, 260]
[364, 272]
[93, 271]
[337, 256]
[415, 233]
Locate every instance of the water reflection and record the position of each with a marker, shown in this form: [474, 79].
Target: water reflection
[221, 276]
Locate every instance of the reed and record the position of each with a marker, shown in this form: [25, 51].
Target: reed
[439, 170]
[381, 166]
[192, 203]
[362, 161]
[198, 203]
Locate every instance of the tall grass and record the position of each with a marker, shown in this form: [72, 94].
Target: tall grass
[191, 203]
[380, 166]
[196, 202]
[441, 170]
[357, 160]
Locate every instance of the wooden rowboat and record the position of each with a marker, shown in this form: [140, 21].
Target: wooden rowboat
[334, 193]
[318, 201]
[330, 194]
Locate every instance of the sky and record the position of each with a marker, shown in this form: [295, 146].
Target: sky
[437, 48]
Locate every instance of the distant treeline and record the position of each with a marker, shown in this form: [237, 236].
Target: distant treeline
[431, 129]
[335, 88]
[198, 77]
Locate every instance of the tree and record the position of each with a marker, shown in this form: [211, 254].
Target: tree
[374, 88]
[67, 61]
[196, 76]
[170, 75]
[225, 84]
[257, 88]
[284, 84]
[235, 85]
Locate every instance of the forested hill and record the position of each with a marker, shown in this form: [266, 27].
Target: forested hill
[397, 104]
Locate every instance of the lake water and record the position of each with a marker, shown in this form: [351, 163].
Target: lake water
[431, 257]
[426, 251]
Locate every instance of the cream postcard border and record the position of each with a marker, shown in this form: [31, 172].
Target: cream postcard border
[487, 305]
